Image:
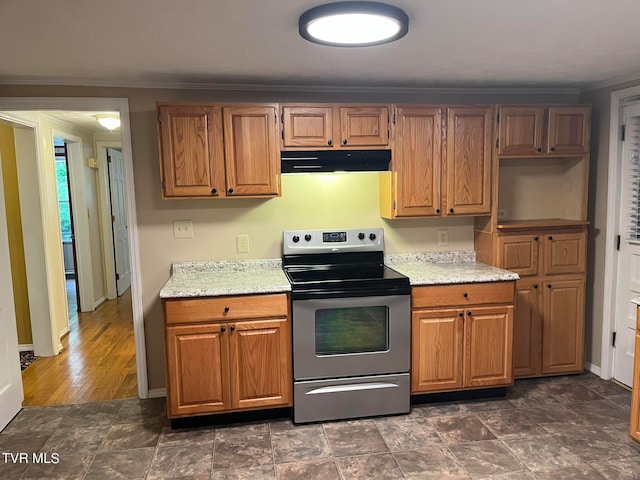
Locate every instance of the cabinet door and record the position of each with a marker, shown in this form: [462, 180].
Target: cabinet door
[417, 160]
[519, 253]
[564, 253]
[307, 126]
[191, 152]
[468, 161]
[252, 155]
[569, 130]
[634, 429]
[527, 329]
[436, 350]
[488, 343]
[364, 126]
[197, 370]
[520, 130]
[260, 363]
[563, 326]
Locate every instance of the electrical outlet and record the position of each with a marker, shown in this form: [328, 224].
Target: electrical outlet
[242, 243]
[182, 229]
[443, 238]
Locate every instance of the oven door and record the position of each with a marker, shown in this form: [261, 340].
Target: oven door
[353, 336]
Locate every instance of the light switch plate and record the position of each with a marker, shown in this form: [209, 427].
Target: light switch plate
[182, 229]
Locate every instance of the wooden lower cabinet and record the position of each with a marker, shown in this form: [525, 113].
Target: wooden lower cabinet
[465, 347]
[220, 366]
[634, 428]
[527, 329]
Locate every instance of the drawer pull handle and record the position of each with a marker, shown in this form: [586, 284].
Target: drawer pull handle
[469, 313]
[535, 285]
[548, 285]
[461, 314]
[223, 329]
[232, 328]
[536, 239]
[226, 309]
[550, 238]
[465, 295]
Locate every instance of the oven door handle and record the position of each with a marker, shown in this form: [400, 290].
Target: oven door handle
[352, 387]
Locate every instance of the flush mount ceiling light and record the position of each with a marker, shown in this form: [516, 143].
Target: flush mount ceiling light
[110, 122]
[353, 24]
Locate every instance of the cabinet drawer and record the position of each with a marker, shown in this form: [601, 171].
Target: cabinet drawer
[461, 295]
[225, 308]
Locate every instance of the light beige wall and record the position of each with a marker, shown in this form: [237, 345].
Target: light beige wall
[306, 202]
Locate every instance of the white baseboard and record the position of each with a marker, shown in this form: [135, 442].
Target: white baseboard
[592, 368]
[99, 302]
[158, 393]
[25, 347]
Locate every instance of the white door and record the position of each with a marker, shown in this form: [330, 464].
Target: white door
[119, 220]
[11, 394]
[628, 281]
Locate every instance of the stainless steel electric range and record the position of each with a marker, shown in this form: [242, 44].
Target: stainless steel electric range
[351, 325]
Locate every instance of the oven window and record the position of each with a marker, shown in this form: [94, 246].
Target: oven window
[352, 330]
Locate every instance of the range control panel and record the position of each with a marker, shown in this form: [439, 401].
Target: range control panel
[332, 241]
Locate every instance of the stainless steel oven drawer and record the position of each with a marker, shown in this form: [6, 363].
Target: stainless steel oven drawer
[319, 400]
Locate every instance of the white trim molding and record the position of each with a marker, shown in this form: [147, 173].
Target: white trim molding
[613, 214]
[158, 393]
[592, 368]
[25, 347]
[120, 105]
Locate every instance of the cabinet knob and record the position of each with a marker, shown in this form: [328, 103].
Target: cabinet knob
[461, 314]
[469, 314]
[465, 295]
[226, 309]
[330, 143]
[451, 210]
[232, 328]
[344, 142]
[535, 285]
[539, 150]
[535, 238]
[437, 210]
[550, 238]
[553, 149]
[548, 285]
[231, 190]
[223, 329]
[214, 191]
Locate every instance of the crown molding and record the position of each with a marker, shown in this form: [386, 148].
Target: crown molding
[295, 88]
[611, 82]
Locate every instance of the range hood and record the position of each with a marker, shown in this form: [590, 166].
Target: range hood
[335, 161]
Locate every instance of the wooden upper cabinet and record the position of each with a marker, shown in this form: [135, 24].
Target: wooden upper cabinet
[417, 157]
[468, 160]
[364, 126]
[569, 130]
[519, 253]
[307, 126]
[215, 151]
[521, 130]
[251, 150]
[533, 130]
[191, 151]
[324, 126]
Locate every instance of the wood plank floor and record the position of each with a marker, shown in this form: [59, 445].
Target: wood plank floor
[98, 361]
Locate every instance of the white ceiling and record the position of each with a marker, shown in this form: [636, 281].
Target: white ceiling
[86, 120]
[573, 44]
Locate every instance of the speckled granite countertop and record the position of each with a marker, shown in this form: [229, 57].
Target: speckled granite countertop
[246, 277]
[441, 268]
[226, 277]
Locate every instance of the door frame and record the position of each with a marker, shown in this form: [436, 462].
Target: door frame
[105, 217]
[121, 105]
[613, 218]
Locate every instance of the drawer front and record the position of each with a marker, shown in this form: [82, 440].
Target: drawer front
[225, 308]
[461, 295]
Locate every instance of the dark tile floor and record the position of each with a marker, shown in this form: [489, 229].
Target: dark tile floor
[573, 427]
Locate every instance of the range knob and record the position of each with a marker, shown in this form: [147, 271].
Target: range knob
[372, 236]
[295, 239]
[307, 237]
[361, 236]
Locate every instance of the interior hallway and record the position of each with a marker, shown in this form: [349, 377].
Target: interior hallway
[98, 361]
